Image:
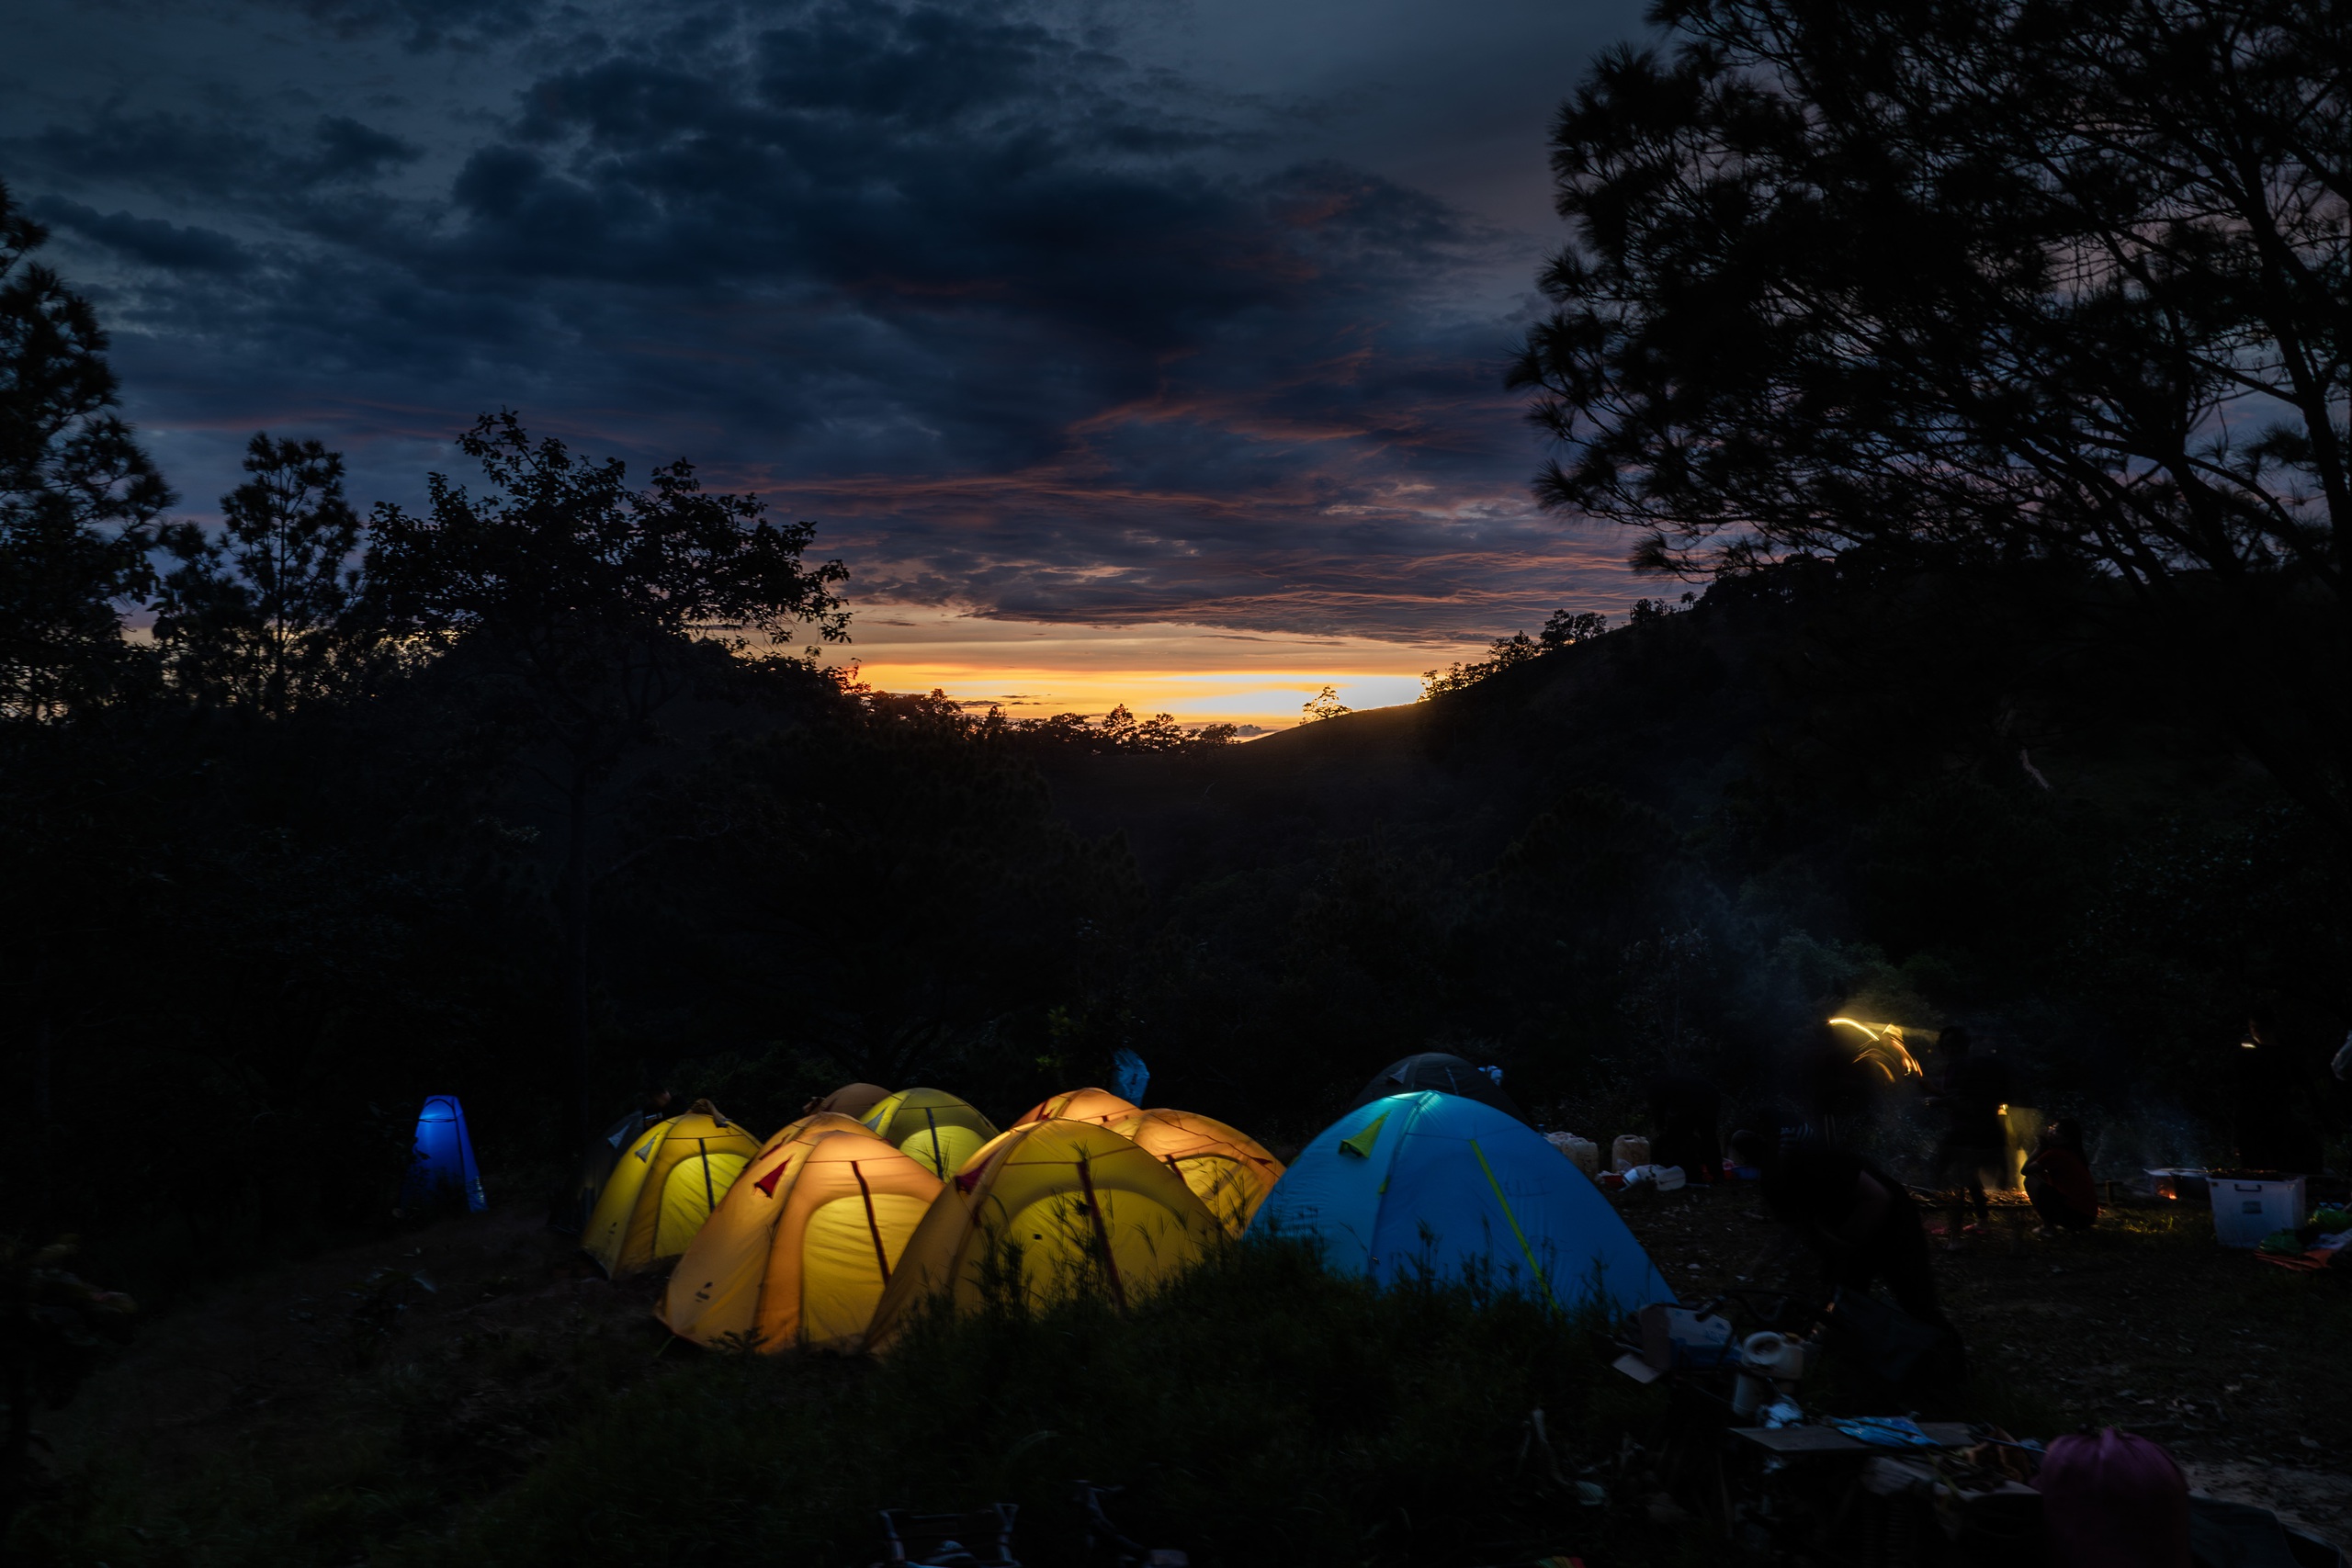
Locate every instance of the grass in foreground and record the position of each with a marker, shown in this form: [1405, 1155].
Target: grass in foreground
[1259, 1411]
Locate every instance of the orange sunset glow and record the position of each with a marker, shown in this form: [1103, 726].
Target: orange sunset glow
[1201, 674]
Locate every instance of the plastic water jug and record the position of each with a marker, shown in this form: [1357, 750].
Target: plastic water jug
[1582, 1151]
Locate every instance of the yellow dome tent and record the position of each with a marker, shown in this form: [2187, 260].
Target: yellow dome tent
[664, 1187]
[1228, 1170]
[800, 1251]
[1079, 1105]
[932, 1126]
[1083, 1206]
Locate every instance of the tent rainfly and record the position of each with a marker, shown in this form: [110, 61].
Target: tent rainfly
[1079, 1105]
[1079, 1207]
[799, 1251]
[1228, 1170]
[852, 1100]
[807, 1130]
[1430, 1181]
[663, 1187]
[931, 1125]
[443, 1168]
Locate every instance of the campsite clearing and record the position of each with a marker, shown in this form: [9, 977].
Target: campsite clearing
[2235, 1365]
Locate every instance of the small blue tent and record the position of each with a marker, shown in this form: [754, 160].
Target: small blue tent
[1437, 1182]
[443, 1169]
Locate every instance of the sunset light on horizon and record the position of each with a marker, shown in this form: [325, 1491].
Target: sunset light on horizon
[1201, 674]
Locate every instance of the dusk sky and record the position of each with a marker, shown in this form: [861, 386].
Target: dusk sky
[1145, 353]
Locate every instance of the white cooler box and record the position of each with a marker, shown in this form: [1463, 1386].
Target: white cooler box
[2246, 1210]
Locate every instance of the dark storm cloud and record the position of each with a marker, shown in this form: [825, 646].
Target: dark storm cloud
[240, 164]
[149, 240]
[1022, 324]
[424, 25]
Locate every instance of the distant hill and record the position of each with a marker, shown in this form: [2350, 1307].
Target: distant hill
[1660, 713]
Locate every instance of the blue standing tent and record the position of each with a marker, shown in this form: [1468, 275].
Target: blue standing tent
[1430, 1181]
[443, 1169]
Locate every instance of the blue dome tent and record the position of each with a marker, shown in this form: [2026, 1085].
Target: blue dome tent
[443, 1168]
[1433, 1180]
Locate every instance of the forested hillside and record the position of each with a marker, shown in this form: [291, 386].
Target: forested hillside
[1924, 798]
[1665, 849]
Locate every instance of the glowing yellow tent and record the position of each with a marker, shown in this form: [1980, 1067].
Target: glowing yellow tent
[1079, 1105]
[931, 1125]
[1229, 1171]
[799, 1253]
[664, 1187]
[1080, 1204]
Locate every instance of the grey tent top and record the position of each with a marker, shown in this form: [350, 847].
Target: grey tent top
[1446, 1074]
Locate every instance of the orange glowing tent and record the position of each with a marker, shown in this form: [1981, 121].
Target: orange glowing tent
[1071, 1205]
[1228, 1170]
[851, 1099]
[1079, 1105]
[800, 1253]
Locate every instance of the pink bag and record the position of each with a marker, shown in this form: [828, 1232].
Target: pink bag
[2114, 1501]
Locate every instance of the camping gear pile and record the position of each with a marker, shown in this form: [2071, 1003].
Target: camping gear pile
[1786, 1484]
[837, 1232]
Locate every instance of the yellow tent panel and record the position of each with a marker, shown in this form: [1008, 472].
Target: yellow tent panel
[943, 1150]
[1228, 1170]
[931, 1125]
[663, 1188]
[801, 1251]
[1081, 1205]
[1079, 1105]
[785, 1150]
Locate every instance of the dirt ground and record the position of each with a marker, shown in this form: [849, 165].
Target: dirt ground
[2241, 1369]
[275, 1366]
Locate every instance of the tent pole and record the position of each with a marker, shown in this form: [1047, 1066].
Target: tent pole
[873, 1227]
[1102, 1236]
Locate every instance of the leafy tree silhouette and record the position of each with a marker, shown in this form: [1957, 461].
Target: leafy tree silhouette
[1325, 704]
[78, 498]
[264, 615]
[1981, 284]
[583, 609]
